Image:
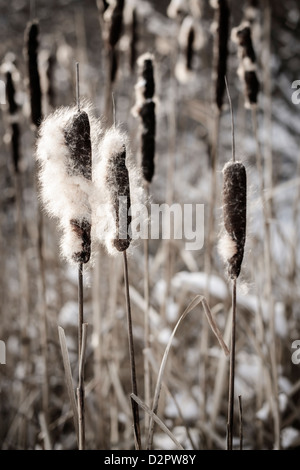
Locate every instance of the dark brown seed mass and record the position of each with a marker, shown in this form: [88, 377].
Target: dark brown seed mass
[78, 140]
[234, 212]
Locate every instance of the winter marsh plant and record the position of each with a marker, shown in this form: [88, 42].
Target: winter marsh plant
[112, 224]
[231, 247]
[64, 153]
[191, 40]
[247, 67]
[31, 52]
[145, 110]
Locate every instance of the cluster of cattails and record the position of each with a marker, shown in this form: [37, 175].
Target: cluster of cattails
[145, 109]
[247, 69]
[12, 78]
[233, 239]
[75, 194]
[221, 27]
[31, 51]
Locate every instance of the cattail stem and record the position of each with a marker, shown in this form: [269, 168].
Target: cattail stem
[80, 389]
[80, 307]
[147, 378]
[135, 408]
[241, 421]
[231, 371]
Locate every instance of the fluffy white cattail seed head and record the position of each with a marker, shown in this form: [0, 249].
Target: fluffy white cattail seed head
[64, 155]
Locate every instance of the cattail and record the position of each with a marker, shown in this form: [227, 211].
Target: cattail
[64, 153]
[11, 75]
[112, 184]
[47, 61]
[247, 68]
[31, 39]
[177, 8]
[221, 48]
[234, 212]
[114, 17]
[145, 109]
[10, 93]
[133, 38]
[190, 39]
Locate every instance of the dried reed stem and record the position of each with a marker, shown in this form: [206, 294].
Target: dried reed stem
[231, 371]
[80, 389]
[147, 377]
[135, 408]
[241, 421]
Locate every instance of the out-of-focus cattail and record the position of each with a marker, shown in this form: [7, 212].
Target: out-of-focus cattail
[11, 75]
[64, 153]
[114, 14]
[177, 8]
[232, 242]
[145, 109]
[222, 17]
[32, 44]
[247, 67]
[191, 39]
[111, 179]
[10, 93]
[47, 62]
[133, 38]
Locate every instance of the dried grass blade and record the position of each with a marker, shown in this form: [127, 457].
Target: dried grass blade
[190, 307]
[156, 419]
[68, 376]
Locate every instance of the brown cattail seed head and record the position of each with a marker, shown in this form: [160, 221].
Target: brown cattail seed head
[234, 213]
[117, 180]
[247, 68]
[221, 48]
[147, 75]
[78, 140]
[31, 37]
[10, 94]
[133, 39]
[243, 37]
[116, 22]
[145, 109]
[147, 114]
[15, 145]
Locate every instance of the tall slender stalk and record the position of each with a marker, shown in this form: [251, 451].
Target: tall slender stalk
[147, 378]
[231, 371]
[135, 408]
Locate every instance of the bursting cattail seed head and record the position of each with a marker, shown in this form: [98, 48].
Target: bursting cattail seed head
[32, 43]
[64, 153]
[232, 242]
[112, 183]
[221, 48]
